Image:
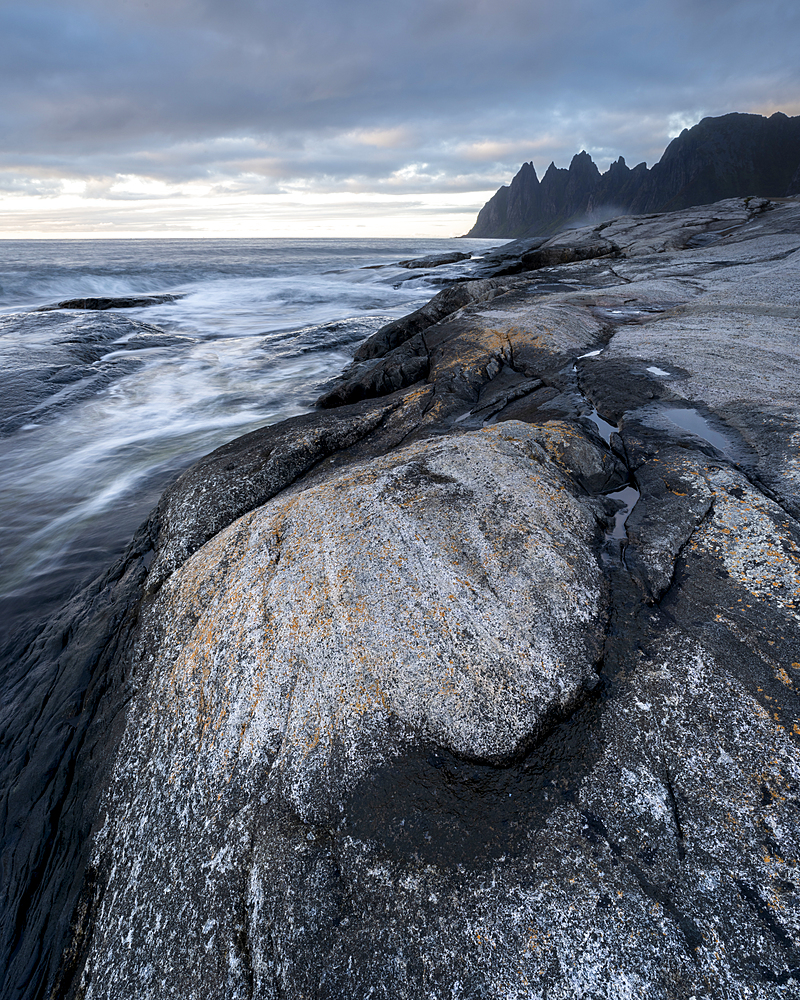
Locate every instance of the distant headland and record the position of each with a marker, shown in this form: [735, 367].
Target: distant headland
[732, 156]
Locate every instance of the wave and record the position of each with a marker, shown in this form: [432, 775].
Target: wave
[99, 410]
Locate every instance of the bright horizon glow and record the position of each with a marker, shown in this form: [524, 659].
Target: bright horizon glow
[187, 215]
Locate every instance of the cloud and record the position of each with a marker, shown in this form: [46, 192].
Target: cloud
[385, 138]
[273, 97]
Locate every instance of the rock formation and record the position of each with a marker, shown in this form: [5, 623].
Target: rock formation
[481, 681]
[735, 155]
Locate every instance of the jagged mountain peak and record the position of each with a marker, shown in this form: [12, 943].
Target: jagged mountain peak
[733, 155]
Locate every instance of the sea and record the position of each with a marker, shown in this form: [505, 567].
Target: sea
[100, 410]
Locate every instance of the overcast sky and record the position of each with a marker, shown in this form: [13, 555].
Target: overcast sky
[352, 117]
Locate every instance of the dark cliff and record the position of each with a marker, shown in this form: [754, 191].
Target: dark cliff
[733, 156]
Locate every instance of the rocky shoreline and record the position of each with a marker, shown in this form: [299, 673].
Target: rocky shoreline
[480, 681]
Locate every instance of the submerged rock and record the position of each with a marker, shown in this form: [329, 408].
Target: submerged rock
[392, 713]
[102, 302]
[58, 361]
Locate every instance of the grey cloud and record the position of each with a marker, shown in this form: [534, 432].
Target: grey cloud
[39, 187]
[177, 89]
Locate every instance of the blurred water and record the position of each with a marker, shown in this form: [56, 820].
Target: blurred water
[99, 411]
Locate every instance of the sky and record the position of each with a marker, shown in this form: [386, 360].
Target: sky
[355, 117]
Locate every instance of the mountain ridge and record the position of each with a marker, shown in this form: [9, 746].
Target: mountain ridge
[730, 156]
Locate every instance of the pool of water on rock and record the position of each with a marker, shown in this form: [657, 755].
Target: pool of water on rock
[689, 419]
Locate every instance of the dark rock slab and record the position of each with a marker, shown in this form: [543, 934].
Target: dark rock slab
[406, 364]
[448, 301]
[434, 260]
[101, 302]
[506, 259]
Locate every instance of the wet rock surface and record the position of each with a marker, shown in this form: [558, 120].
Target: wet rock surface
[399, 699]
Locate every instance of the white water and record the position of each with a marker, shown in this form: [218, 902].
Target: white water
[99, 411]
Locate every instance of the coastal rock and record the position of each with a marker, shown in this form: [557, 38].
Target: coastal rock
[240, 476]
[448, 301]
[422, 699]
[507, 258]
[532, 255]
[469, 347]
[627, 236]
[675, 497]
[102, 302]
[434, 260]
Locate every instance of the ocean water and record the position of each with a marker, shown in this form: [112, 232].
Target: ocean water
[101, 410]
